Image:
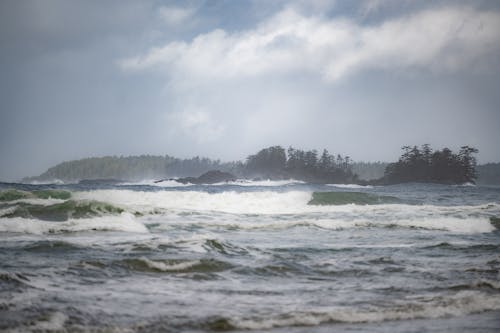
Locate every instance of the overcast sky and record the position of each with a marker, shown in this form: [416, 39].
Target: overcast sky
[223, 79]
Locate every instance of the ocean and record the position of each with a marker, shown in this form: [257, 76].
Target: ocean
[268, 256]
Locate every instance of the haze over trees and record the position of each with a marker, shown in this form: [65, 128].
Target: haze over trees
[488, 174]
[369, 170]
[132, 168]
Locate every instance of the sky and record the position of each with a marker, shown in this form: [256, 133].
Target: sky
[224, 79]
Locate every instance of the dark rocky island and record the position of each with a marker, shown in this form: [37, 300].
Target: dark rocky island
[210, 177]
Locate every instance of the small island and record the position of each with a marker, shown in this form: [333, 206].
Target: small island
[427, 166]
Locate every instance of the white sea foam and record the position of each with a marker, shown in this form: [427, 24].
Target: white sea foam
[350, 186]
[124, 222]
[238, 182]
[293, 210]
[38, 201]
[49, 182]
[462, 303]
[263, 202]
[264, 182]
[54, 322]
[163, 183]
[466, 184]
[164, 267]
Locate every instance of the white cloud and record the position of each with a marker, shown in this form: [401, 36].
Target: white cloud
[175, 15]
[446, 39]
[197, 124]
[271, 84]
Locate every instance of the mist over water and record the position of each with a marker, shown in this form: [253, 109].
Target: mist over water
[248, 256]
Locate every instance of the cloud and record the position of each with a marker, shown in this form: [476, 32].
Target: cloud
[175, 15]
[195, 123]
[440, 40]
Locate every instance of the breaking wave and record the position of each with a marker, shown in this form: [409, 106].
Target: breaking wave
[14, 195]
[128, 210]
[61, 211]
[123, 222]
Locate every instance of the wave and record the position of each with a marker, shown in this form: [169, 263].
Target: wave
[448, 224]
[12, 279]
[61, 211]
[481, 284]
[124, 222]
[281, 210]
[420, 307]
[51, 246]
[254, 202]
[465, 246]
[245, 210]
[15, 195]
[495, 221]
[264, 202]
[175, 266]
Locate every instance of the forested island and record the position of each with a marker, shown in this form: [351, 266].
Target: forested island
[416, 164]
[427, 166]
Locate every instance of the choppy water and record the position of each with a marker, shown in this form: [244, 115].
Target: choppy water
[249, 256]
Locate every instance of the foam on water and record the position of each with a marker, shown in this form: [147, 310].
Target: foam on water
[164, 183]
[350, 186]
[260, 210]
[124, 222]
[37, 201]
[255, 202]
[264, 182]
[165, 267]
[53, 322]
[239, 182]
[49, 182]
[263, 202]
[463, 303]
[455, 225]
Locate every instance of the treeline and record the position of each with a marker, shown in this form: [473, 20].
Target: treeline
[428, 166]
[416, 164]
[276, 163]
[269, 163]
[132, 168]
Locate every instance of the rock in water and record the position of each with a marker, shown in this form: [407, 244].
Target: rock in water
[210, 177]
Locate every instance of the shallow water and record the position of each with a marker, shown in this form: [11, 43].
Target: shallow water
[249, 256]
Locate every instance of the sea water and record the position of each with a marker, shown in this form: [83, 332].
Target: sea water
[249, 256]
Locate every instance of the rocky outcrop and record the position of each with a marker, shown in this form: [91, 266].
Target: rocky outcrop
[210, 177]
